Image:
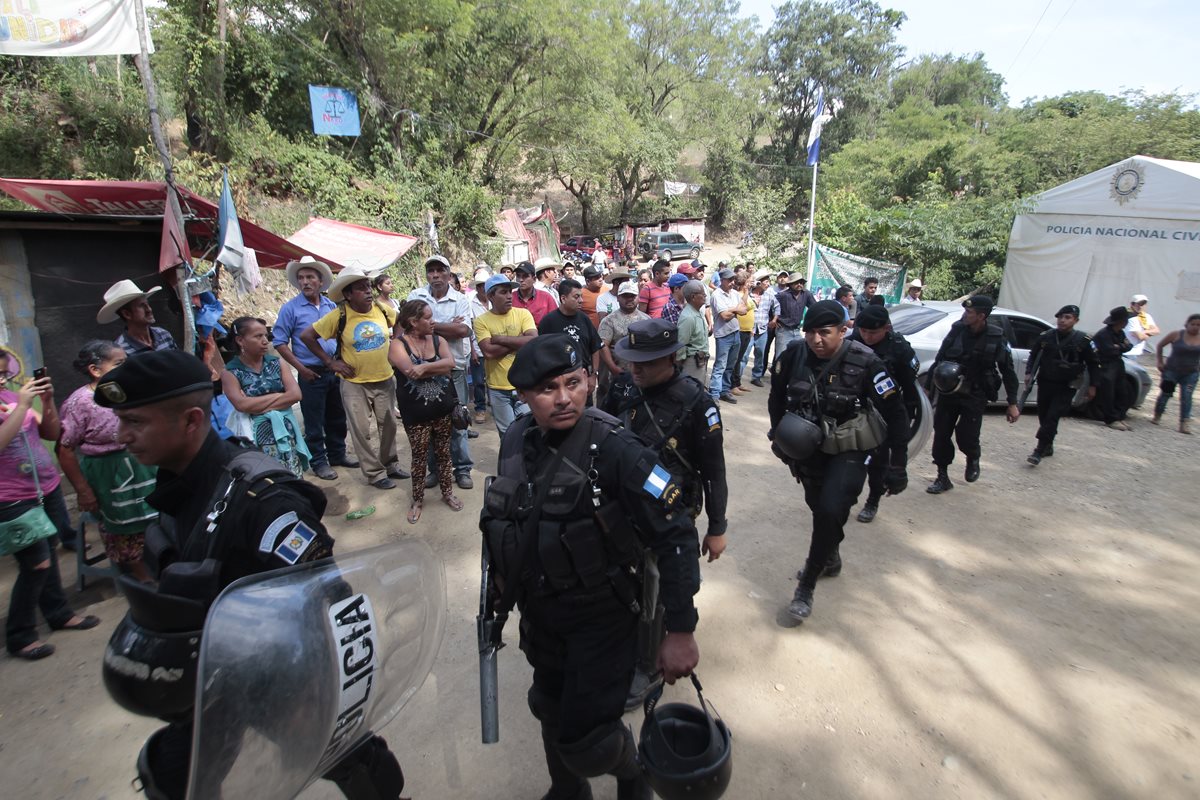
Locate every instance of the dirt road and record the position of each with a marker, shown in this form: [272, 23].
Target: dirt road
[1032, 635]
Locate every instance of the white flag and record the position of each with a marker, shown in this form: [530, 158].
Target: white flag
[69, 28]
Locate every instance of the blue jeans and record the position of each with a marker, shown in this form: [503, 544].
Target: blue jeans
[460, 456]
[505, 407]
[722, 368]
[479, 386]
[1187, 385]
[759, 345]
[784, 337]
[324, 417]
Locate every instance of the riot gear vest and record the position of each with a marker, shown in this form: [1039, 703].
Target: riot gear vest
[657, 422]
[549, 530]
[833, 400]
[979, 359]
[1062, 359]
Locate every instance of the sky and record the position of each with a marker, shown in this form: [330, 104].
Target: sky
[1101, 45]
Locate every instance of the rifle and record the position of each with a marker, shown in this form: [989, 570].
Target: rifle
[1033, 375]
[488, 628]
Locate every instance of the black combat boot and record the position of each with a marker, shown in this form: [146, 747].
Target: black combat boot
[869, 510]
[942, 483]
[971, 473]
[802, 602]
[833, 564]
[1047, 451]
[1035, 457]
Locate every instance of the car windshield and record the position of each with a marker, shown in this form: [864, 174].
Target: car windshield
[909, 319]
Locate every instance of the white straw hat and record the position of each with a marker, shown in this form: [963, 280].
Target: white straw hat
[344, 278]
[308, 262]
[117, 297]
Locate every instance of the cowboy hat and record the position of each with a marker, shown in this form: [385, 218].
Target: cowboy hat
[308, 262]
[916, 282]
[117, 297]
[344, 278]
[545, 263]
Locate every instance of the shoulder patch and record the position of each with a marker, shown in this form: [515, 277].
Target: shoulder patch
[267, 544]
[657, 482]
[295, 543]
[884, 385]
[713, 417]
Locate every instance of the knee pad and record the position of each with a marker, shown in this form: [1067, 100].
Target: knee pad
[603, 751]
[545, 708]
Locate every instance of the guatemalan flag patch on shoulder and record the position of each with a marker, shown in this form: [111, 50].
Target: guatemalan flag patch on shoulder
[657, 481]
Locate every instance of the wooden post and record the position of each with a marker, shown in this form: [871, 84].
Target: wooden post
[142, 61]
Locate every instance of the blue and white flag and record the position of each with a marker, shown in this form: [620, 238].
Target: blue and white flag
[229, 230]
[814, 133]
[334, 111]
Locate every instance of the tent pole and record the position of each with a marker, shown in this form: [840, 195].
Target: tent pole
[812, 218]
[142, 61]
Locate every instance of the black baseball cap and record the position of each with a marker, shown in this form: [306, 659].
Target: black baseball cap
[151, 378]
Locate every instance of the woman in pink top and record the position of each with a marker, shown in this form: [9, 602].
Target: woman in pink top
[109, 483]
[28, 478]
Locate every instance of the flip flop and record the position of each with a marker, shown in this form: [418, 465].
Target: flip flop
[35, 652]
[85, 623]
[414, 513]
[452, 501]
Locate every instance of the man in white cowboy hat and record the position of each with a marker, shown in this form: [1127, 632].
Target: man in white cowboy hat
[452, 322]
[361, 329]
[479, 307]
[320, 388]
[913, 293]
[125, 301]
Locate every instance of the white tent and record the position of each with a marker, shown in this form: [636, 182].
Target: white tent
[1131, 228]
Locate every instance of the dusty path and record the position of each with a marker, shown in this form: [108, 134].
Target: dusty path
[1031, 635]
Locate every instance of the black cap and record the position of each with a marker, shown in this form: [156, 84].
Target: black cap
[1119, 314]
[544, 357]
[1073, 310]
[525, 267]
[648, 339]
[823, 314]
[980, 302]
[592, 271]
[151, 378]
[872, 317]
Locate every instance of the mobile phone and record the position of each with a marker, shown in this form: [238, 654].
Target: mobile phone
[39, 373]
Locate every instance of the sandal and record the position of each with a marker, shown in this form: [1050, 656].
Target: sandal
[452, 501]
[85, 623]
[414, 512]
[35, 651]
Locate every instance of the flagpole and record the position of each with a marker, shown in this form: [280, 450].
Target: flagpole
[812, 218]
[142, 62]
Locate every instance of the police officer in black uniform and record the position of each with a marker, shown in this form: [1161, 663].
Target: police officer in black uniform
[970, 366]
[874, 329]
[566, 520]
[1111, 346]
[224, 513]
[1056, 361]
[677, 417]
[832, 403]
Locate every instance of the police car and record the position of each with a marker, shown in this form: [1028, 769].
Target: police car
[925, 326]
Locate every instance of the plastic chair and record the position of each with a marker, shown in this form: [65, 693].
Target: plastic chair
[85, 565]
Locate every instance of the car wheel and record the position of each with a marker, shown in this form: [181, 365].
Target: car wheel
[694, 254]
[667, 254]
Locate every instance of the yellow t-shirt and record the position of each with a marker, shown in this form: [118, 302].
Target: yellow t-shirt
[746, 321]
[514, 323]
[364, 341]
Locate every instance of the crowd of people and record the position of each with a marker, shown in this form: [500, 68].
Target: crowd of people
[597, 378]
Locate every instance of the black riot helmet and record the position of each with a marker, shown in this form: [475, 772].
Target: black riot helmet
[948, 377]
[796, 437]
[687, 754]
[150, 673]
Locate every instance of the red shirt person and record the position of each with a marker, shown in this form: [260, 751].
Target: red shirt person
[654, 296]
[536, 301]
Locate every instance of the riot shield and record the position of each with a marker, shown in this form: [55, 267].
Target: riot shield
[298, 666]
[921, 427]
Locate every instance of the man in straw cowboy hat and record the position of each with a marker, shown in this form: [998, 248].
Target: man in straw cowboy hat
[361, 328]
[320, 388]
[125, 301]
[913, 293]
